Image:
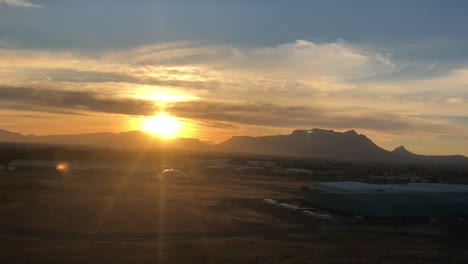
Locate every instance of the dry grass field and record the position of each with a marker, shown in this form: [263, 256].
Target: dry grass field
[130, 219]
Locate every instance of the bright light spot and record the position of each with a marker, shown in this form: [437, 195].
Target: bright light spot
[62, 166]
[163, 125]
[147, 92]
[168, 97]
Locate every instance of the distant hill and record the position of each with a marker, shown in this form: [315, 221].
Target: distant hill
[401, 151]
[131, 139]
[8, 136]
[317, 143]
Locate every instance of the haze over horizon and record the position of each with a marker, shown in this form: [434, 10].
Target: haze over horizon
[395, 71]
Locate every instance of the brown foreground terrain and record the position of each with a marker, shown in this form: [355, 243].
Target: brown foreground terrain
[129, 219]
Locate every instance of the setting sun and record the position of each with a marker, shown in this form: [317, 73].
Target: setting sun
[163, 125]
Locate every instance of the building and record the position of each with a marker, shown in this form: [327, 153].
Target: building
[261, 163]
[396, 178]
[210, 162]
[413, 200]
[360, 187]
[32, 164]
[249, 170]
[298, 172]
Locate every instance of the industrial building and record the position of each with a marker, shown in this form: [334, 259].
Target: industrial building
[350, 186]
[413, 200]
[32, 164]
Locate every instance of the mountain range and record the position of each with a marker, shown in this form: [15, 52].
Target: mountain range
[317, 143]
[131, 139]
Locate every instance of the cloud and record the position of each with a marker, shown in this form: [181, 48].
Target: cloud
[118, 77]
[456, 100]
[20, 3]
[75, 101]
[300, 59]
[303, 60]
[288, 72]
[304, 117]
[16, 106]
[217, 114]
[301, 84]
[457, 118]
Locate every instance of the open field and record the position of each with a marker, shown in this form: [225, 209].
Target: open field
[130, 219]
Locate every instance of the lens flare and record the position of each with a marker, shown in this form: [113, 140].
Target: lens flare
[62, 166]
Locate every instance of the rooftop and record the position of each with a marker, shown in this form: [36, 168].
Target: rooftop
[350, 186]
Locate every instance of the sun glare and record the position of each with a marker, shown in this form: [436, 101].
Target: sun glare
[163, 125]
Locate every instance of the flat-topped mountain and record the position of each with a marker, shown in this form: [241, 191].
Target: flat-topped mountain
[315, 142]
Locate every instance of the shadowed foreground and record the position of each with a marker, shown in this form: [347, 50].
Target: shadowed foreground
[128, 219]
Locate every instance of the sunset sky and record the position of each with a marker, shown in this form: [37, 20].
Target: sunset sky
[396, 71]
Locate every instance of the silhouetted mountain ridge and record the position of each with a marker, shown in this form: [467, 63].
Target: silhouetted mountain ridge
[402, 151]
[449, 159]
[130, 139]
[6, 135]
[317, 143]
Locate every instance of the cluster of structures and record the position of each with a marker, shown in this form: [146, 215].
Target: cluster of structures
[249, 167]
[405, 196]
[397, 178]
[412, 200]
[218, 166]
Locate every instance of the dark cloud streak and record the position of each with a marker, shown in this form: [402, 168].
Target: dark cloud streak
[273, 115]
[73, 101]
[69, 75]
[214, 113]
